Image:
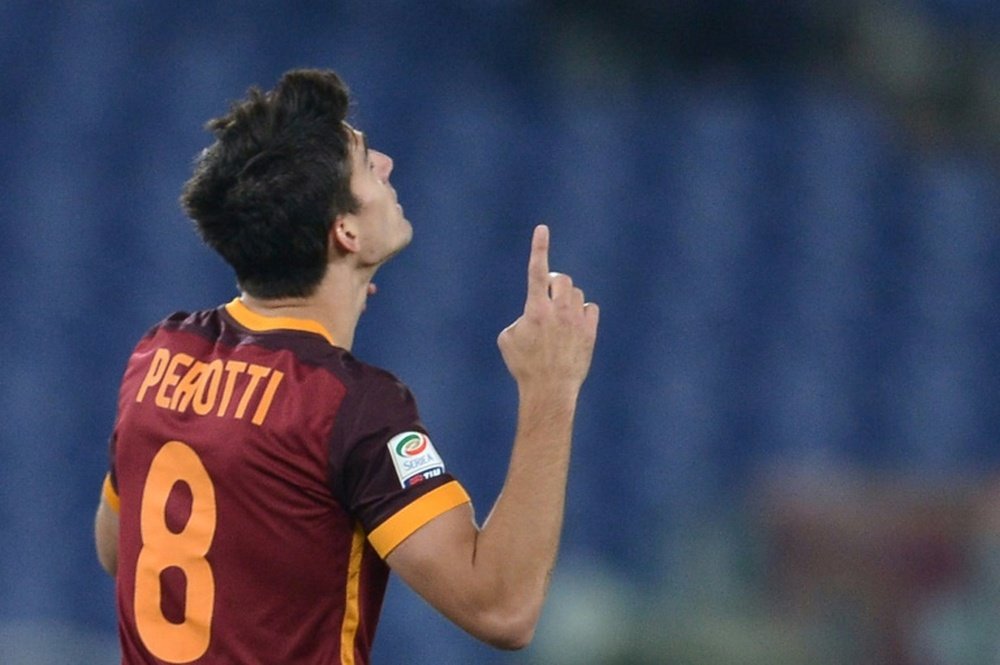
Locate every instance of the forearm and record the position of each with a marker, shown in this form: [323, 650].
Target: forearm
[517, 546]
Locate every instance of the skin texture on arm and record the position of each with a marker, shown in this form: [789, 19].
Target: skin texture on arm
[106, 536]
[492, 581]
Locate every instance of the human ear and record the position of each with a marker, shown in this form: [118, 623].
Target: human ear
[344, 236]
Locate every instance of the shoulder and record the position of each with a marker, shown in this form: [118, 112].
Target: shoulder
[207, 320]
[376, 386]
[377, 405]
[366, 374]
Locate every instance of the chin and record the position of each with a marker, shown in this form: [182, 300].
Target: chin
[403, 243]
[405, 233]
[400, 247]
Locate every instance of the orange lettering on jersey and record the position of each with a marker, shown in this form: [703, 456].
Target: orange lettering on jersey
[187, 387]
[233, 369]
[157, 368]
[256, 372]
[208, 388]
[265, 401]
[184, 382]
[171, 378]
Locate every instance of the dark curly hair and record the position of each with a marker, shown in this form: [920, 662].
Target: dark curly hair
[265, 194]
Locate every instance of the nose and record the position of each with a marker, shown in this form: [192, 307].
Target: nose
[383, 164]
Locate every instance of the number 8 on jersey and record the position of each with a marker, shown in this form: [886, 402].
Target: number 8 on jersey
[163, 548]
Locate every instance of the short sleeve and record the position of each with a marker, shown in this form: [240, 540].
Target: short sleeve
[390, 477]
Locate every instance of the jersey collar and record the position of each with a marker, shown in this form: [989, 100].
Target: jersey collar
[251, 320]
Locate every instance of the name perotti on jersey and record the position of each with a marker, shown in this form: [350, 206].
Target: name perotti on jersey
[261, 474]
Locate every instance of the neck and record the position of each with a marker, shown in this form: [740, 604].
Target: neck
[336, 304]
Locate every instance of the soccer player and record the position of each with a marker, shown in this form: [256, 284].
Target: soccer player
[262, 480]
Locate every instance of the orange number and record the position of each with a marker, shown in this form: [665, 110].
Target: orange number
[186, 550]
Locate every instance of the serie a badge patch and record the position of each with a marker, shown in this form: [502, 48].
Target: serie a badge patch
[414, 458]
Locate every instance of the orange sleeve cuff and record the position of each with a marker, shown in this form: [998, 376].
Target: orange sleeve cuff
[110, 495]
[400, 526]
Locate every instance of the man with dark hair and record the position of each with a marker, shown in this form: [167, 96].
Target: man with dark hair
[262, 480]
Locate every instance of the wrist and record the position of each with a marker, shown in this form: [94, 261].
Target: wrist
[549, 395]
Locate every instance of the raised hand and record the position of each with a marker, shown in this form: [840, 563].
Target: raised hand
[551, 344]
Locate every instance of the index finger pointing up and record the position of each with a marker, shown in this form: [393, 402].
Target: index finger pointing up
[538, 264]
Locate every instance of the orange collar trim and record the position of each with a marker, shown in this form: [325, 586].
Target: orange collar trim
[251, 320]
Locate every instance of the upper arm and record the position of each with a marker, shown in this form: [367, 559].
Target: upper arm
[390, 478]
[438, 562]
[106, 529]
[435, 558]
[432, 559]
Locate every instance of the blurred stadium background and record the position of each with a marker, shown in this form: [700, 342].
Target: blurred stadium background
[788, 210]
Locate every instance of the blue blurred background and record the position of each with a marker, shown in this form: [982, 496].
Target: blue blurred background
[788, 210]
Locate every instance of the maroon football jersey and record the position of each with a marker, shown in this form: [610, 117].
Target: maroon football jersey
[261, 475]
